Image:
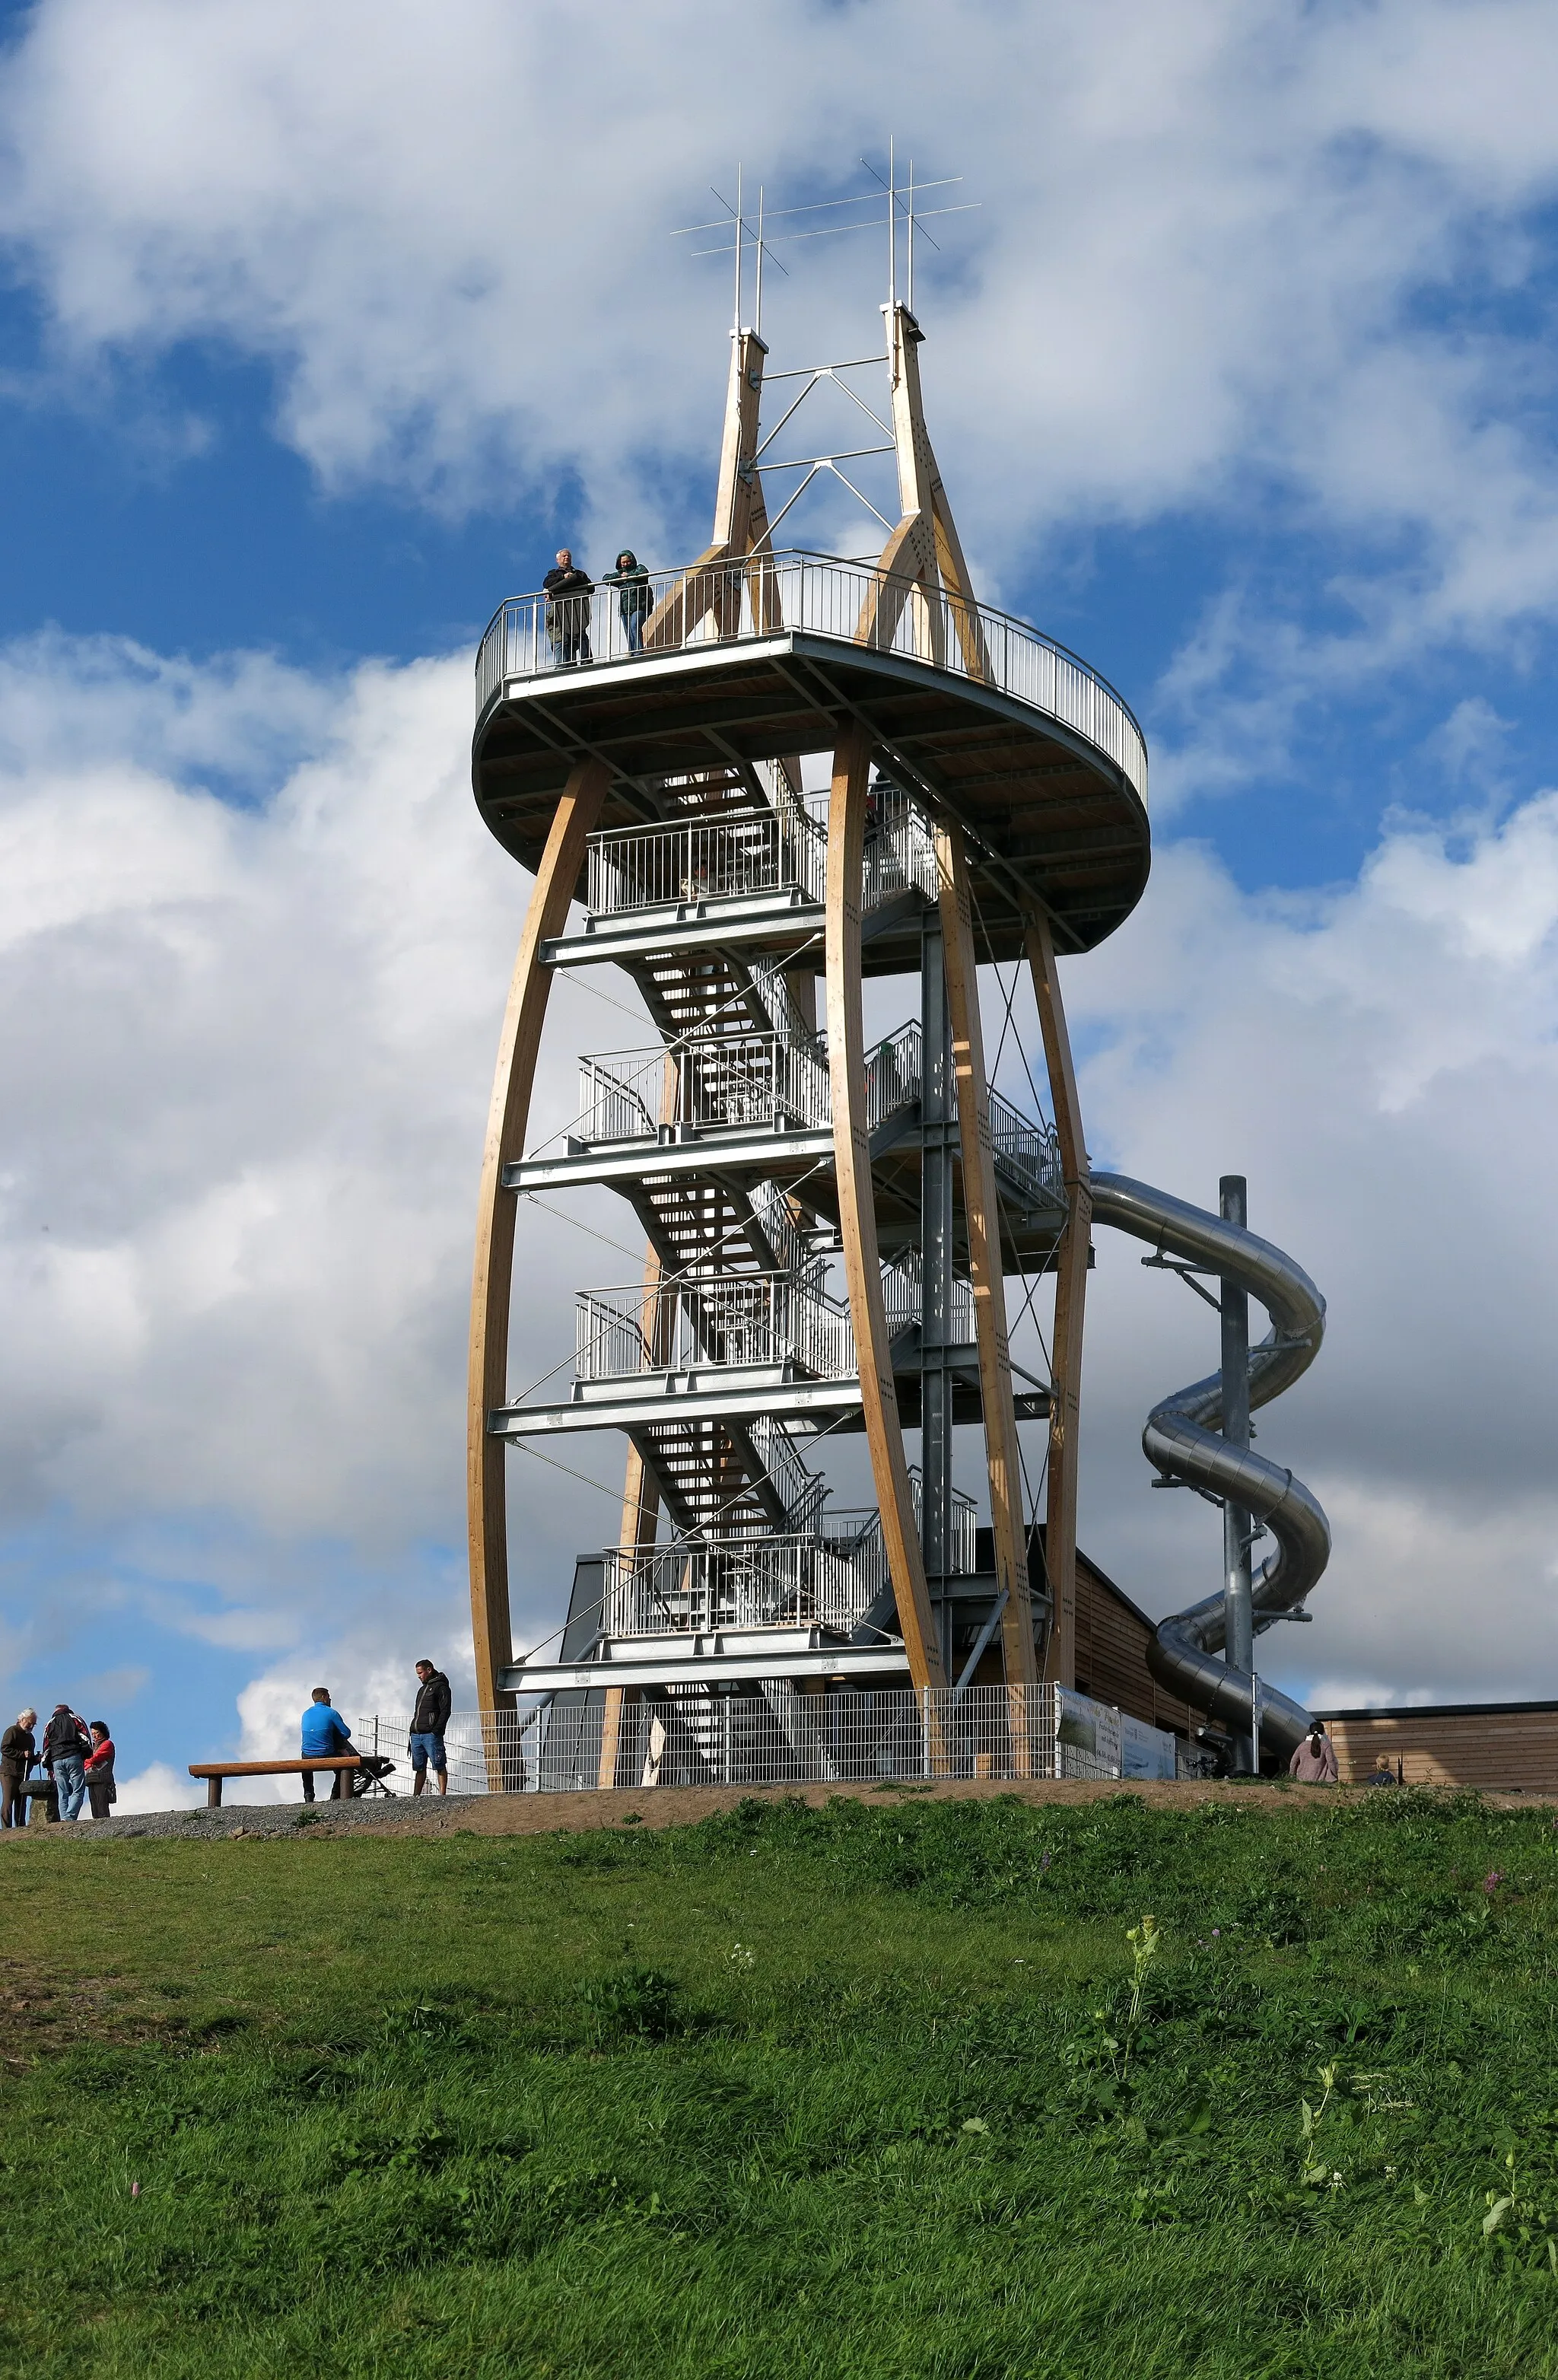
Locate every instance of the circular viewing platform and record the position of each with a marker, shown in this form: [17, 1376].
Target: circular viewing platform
[720, 667]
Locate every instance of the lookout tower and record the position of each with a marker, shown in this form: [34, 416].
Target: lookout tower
[831, 1223]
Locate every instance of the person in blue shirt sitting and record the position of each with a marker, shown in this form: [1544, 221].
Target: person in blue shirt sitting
[326, 1732]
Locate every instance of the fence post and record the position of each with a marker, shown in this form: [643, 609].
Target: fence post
[925, 1730]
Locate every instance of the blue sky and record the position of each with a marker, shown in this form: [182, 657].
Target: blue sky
[318, 330]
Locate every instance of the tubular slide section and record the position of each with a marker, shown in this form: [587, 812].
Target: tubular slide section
[1181, 1439]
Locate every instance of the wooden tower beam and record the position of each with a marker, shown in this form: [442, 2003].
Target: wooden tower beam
[486, 1510]
[741, 519]
[982, 1213]
[857, 1214]
[1070, 1293]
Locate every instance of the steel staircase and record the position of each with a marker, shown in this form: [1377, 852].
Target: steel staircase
[719, 1477]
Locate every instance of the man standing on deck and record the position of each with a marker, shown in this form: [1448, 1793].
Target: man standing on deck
[1314, 1763]
[568, 591]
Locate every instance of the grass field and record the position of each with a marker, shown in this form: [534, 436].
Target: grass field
[881, 2089]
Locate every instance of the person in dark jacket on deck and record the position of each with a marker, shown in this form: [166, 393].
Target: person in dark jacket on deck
[428, 1720]
[633, 600]
[568, 592]
[18, 1750]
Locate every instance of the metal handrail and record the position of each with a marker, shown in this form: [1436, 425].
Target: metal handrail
[823, 1578]
[649, 868]
[1028, 1148]
[763, 596]
[736, 1082]
[733, 1319]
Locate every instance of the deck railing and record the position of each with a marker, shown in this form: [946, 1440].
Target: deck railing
[725, 1083]
[673, 611]
[716, 859]
[903, 1297]
[1030, 1148]
[737, 1319]
[735, 1082]
[807, 1578]
[633, 868]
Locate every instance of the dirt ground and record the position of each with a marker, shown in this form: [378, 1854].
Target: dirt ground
[675, 1805]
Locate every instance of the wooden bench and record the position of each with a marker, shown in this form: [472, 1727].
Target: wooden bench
[213, 1771]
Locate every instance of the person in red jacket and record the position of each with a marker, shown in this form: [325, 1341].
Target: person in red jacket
[101, 1787]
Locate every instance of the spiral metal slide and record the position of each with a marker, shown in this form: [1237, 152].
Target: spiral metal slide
[1181, 1439]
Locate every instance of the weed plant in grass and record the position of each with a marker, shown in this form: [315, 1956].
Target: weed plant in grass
[933, 2090]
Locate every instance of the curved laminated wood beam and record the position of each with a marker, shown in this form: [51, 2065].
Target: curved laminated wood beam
[906, 567]
[1070, 1292]
[556, 882]
[983, 1216]
[741, 519]
[857, 1214]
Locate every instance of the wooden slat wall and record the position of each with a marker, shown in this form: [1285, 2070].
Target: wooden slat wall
[1515, 1748]
[1112, 1640]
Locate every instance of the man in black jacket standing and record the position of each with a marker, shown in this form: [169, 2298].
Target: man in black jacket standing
[568, 591]
[428, 1720]
[65, 1746]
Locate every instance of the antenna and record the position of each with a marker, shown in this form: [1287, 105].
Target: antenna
[892, 232]
[733, 221]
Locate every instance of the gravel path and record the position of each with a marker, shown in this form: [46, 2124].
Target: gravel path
[432, 1811]
[541, 1814]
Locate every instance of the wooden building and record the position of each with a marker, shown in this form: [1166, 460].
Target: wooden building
[1112, 1640]
[1496, 1747]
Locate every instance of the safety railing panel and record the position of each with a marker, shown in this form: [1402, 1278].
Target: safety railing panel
[776, 1735]
[741, 1319]
[674, 611]
[715, 1083]
[965, 1524]
[899, 854]
[802, 1492]
[650, 867]
[804, 1579]
[903, 1297]
[1029, 1147]
[726, 1082]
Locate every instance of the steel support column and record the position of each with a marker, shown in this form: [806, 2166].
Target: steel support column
[1233, 1205]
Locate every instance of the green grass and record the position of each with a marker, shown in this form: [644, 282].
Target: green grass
[791, 2093]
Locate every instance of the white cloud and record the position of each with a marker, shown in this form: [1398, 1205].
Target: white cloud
[159, 1787]
[1224, 250]
[238, 1174]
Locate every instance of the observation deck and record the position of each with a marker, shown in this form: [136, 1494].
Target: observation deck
[758, 660]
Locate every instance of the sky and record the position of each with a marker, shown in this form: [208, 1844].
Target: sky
[320, 328]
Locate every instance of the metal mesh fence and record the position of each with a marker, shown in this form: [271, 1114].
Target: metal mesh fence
[784, 1733]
